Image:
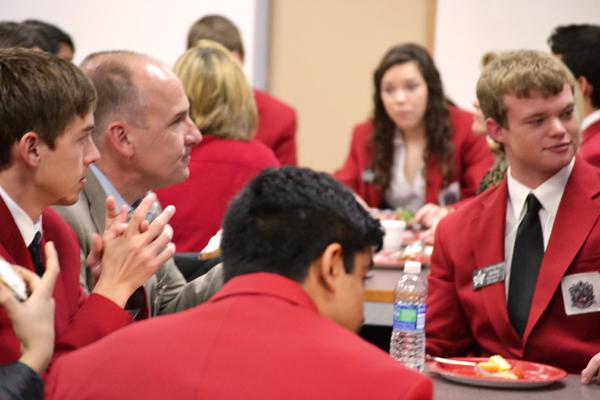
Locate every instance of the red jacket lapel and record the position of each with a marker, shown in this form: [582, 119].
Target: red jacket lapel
[576, 216]
[488, 237]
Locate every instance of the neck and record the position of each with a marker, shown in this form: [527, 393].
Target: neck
[587, 108]
[128, 184]
[528, 177]
[416, 134]
[23, 191]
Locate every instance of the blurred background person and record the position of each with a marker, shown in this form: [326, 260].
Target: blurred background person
[228, 156]
[59, 42]
[498, 171]
[14, 34]
[33, 324]
[578, 46]
[276, 120]
[417, 152]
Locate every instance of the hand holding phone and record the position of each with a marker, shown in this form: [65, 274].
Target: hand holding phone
[11, 279]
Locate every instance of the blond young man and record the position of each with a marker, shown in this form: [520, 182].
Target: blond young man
[527, 290]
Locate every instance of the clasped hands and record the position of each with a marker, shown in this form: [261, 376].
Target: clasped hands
[129, 253]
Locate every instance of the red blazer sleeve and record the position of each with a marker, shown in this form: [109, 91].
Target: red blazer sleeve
[473, 156]
[352, 174]
[80, 320]
[447, 329]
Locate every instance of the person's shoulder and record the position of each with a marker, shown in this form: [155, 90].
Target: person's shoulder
[356, 357]
[472, 206]
[266, 101]
[460, 121]
[363, 130]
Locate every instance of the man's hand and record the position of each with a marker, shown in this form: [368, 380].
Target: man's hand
[593, 368]
[133, 256]
[115, 224]
[33, 319]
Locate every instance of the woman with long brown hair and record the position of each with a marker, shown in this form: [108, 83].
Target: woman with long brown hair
[418, 151]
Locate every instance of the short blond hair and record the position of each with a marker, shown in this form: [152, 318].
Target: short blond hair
[221, 98]
[519, 73]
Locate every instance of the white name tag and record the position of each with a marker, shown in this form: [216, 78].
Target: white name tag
[581, 293]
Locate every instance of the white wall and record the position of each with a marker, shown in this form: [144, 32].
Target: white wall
[155, 27]
[465, 29]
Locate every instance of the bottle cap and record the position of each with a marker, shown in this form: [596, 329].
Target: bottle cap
[412, 267]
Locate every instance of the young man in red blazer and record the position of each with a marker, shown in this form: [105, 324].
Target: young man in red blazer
[46, 111]
[296, 249]
[276, 120]
[489, 292]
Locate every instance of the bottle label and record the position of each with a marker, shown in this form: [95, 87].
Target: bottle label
[409, 317]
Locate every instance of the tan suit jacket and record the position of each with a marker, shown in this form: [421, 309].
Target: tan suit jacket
[88, 216]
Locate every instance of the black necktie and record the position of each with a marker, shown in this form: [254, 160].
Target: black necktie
[527, 258]
[36, 253]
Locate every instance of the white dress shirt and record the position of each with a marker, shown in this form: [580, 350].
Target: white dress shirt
[548, 194]
[27, 227]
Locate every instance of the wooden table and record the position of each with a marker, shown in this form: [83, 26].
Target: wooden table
[379, 296]
[567, 389]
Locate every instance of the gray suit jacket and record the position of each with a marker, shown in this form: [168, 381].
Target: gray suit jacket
[174, 294]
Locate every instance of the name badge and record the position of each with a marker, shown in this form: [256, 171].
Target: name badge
[581, 293]
[488, 275]
[449, 195]
[368, 176]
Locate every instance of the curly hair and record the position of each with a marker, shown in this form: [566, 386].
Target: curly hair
[437, 123]
[285, 218]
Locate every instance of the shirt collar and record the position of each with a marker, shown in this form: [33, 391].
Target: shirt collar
[548, 193]
[27, 227]
[108, 187]
[590, 120]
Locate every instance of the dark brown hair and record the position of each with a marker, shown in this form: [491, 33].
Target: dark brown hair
[437, 125]
[218, 29]
[39, 93]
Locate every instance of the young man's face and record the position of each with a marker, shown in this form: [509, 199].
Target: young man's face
[351, 310]
[540, 137]
[61, 173]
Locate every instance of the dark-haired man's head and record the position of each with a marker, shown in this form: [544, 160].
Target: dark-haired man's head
[39, 93]
[60, 43]
[305, 226]
[579, 48]
[46, 109]
[218, 29]
[14, 34]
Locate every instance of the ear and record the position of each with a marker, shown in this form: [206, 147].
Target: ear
[585, 87]
[330, 266]
[495, 130]
[29, 148]
[117, 136]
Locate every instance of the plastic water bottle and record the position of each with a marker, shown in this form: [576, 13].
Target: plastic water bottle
[408, 332]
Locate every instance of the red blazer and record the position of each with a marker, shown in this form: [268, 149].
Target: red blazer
[276, 127]
[461, 320]
[472, 159]
[219, 169]
[259, 337]
[590, 144]
[78, 321]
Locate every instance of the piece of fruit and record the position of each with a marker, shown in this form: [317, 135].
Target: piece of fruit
[506, 375]
[488, 366]
[501, 362]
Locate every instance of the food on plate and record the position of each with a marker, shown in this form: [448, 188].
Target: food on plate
[404, 215]
[496, 366]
